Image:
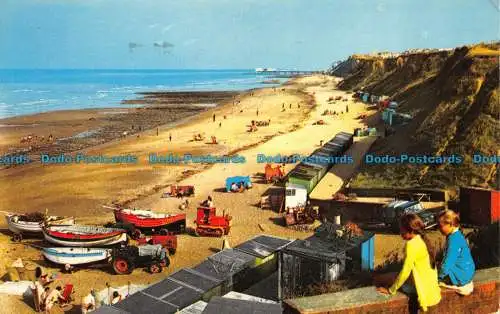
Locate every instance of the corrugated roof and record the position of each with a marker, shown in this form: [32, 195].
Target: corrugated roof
[187, 286]
[222, 265]
[137, 302]
[326, 245]
[218, 305]
[262, 246]
[107, 309]
[195, 308]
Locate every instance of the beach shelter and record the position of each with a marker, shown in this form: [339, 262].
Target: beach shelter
[307, 181]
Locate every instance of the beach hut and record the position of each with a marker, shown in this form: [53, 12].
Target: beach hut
[323, 257]
[307, 181]
[295, 195]
[321, 168]
[365, 97]
[228, 270]
[387, 116]
[334, 146]
[309, 172]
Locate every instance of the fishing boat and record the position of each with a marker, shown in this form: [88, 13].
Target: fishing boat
[20, 224]
[75, 256]
[84, 236]
[147, 220]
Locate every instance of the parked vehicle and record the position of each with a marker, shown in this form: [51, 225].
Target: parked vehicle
[393, 211]
[209, 224]
[242, 182]
[126, 259]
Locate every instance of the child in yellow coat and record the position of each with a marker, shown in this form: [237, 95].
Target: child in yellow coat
[419, 262]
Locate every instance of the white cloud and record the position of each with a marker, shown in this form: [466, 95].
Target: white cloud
[424, 34]
[153, 25]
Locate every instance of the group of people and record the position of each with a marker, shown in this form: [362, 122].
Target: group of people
[456, 270]
[45, 298]
[240, 187]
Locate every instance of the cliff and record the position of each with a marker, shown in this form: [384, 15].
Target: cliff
[453, 96]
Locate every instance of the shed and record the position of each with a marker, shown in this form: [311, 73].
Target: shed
[323, 257]
[479, 206]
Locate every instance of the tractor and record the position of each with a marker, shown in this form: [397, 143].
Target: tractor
[273, 174]
[209, 224]
[168, 241]
[126, 259]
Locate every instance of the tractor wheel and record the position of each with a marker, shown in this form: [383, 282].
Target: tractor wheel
[122, 266]
[155, 268]
[163, 231]
[17, 237]
[165, 262]
[171, 251]
[136, 234]
[219, 233]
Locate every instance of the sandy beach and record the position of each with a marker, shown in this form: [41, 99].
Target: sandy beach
[80, 190]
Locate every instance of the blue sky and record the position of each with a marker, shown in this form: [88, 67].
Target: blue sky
[303, 34]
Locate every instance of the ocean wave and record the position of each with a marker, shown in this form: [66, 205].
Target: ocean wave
[35, 102]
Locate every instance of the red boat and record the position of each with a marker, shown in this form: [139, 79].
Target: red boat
[145, 220]
[84, 236]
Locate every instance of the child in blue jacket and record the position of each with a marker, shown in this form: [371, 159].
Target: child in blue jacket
[457, 269]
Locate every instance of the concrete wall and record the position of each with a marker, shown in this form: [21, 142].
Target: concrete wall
[484, 299]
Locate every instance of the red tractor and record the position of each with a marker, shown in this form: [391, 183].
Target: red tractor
[273, 174]
[209, 224]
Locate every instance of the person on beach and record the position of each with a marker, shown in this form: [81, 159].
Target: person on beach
[116, 297]
[213, 117]
[43, 298]
[234, 187]
[88, 302]
[346, 109]
[257, 112]
[208, 202]
[170, 137]
[220, 124]
[53, 297]
[457, 269]
[419, 262]
[290, 106]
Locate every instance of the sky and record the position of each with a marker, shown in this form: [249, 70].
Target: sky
[230, 34]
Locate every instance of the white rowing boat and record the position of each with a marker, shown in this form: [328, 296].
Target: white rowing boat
[18, 225]
[75, 256]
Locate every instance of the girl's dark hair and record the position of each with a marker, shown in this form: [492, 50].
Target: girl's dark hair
[38, 272]
[413, 224]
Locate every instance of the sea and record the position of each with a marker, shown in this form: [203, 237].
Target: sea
[24, 92]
